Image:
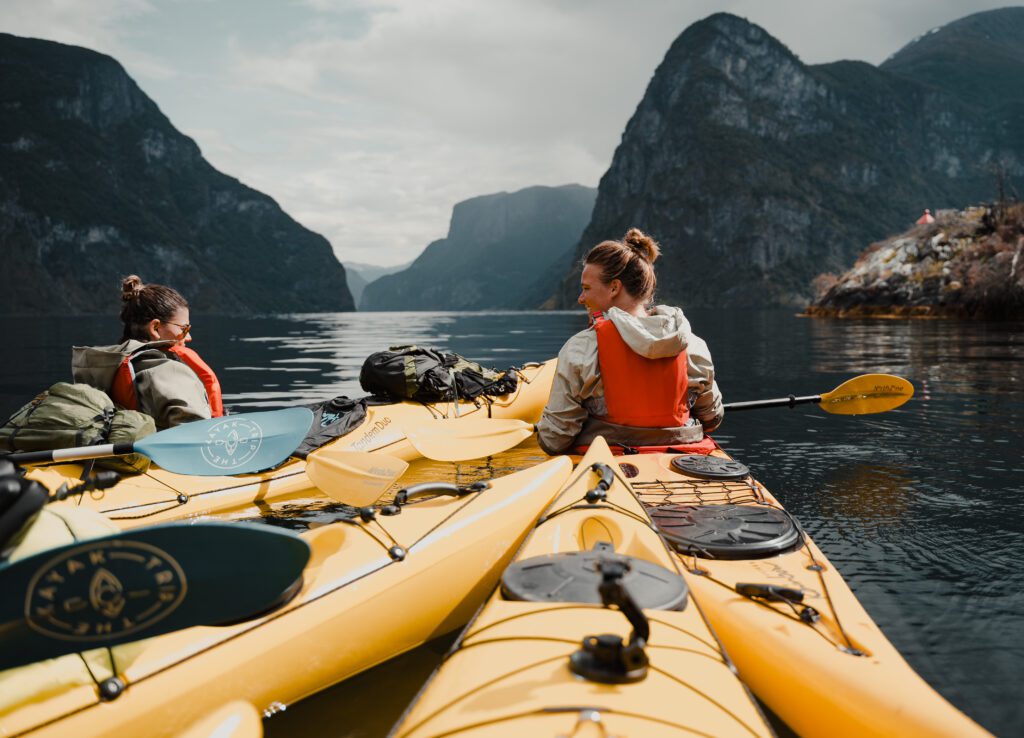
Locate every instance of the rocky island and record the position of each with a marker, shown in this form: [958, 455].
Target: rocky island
[966, 264]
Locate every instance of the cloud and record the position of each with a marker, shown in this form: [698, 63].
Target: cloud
[96, 24]
[367, 120]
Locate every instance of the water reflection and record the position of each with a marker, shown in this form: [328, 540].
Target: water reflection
[919, 508]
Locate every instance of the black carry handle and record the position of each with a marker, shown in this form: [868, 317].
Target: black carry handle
[432, 489]
[770, 592]
[600, 492]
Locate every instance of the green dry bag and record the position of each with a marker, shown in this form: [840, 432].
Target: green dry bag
[71, 415]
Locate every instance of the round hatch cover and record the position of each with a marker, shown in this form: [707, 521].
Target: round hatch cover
[709, 467]
[726, 531]
[574, 577]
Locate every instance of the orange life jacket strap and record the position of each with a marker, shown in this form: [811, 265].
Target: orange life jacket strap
[122, 391]
[209, 379]
[640, 392]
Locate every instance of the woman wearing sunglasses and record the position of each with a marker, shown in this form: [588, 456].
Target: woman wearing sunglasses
[152, 370]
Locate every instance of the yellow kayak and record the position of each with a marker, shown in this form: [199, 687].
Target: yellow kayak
[160, 496]
[800, 639]
[236, 719]
[375, 587]
[545, 657]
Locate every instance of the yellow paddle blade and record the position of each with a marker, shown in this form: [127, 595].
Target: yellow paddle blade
[354, 478]
[462, 439]
[866, 394]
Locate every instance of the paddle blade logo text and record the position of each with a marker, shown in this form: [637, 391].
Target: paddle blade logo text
[104, 590]
[232, 443]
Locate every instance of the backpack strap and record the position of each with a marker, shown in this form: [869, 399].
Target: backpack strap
[32, 408]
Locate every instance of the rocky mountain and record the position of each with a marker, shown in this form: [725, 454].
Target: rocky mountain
[95, 184]
[967, 264]
[503, 251]
[756, 172]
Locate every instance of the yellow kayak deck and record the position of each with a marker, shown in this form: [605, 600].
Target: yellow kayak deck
[372, 590]
[509, 673]
[820, 663]
[159, 496]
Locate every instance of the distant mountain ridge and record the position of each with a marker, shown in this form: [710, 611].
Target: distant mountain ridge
[359, 275]
[757, 172]
[503, 251]
[95, 184]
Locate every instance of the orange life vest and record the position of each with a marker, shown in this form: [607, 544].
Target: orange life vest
[640, 392]
[122, 391]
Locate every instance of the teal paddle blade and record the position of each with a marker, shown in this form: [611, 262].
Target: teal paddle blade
[235, 444]
[133, 585]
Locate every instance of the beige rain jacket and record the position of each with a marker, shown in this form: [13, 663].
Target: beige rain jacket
[576, 406]
[166, 388]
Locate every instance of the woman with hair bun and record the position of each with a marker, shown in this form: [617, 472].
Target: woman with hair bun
[637, 376]
[152, 370]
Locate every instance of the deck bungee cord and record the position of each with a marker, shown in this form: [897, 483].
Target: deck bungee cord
[599, 660]
[748, 491]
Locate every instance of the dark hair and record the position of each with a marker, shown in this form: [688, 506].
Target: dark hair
[631, 261]
[143, 303]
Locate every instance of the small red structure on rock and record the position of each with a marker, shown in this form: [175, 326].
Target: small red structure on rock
[926, 218]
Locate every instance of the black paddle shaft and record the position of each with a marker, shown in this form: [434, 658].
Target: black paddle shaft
[790, 401]
[71, 454]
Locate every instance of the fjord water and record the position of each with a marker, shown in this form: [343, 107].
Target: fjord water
[922, 508]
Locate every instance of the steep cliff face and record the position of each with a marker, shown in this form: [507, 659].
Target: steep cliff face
[503, 251]
[967, 264]
[95, 183]
[756, 172]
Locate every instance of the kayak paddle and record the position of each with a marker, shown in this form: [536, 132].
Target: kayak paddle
[468, 438]
[127, 586]
[355, 478]
[234, 444]
[473, 438]
[863, 395]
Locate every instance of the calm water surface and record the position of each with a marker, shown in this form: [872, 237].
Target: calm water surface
[922, 509]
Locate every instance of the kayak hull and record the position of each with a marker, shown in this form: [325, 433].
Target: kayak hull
[837, 676]
[359, 605]
[509, 673]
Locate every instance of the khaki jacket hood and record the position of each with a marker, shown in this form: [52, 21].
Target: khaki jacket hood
[662, 333]
[97, 365]
[164, 387]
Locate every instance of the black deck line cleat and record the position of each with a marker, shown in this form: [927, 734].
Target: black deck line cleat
[397, 553]
[366, 514]
[809, 615]
[389, 510]
[111, 689]
[605, 658]
[182, 498]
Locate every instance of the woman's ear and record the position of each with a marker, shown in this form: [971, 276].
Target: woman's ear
[615, 286]
[151, 329]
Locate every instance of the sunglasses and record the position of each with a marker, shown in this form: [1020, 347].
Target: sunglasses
[185, 327]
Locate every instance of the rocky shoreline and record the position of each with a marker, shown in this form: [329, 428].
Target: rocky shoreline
[967, 264]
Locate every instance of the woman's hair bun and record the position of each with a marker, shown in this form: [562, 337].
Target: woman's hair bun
[131, 287]
[642, 244]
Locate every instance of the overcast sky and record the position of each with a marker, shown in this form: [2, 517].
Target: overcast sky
[367, 121]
